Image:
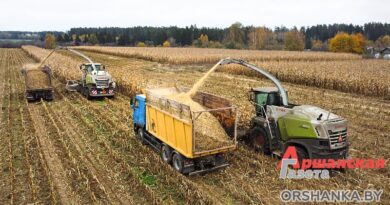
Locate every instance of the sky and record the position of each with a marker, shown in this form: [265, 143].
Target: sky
[50, 15]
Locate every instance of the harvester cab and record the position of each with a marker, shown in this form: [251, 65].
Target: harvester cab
[314, 132]
[263, 96]
[96, 81]
[89, 68]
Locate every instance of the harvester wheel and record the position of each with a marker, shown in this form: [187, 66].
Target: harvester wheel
[302, 154]
[88, 94]
[166, 153]
[178, 162]
[84, 91]
[260, 141]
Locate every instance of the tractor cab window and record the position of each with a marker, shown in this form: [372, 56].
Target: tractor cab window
[89, 68]
[99, 67]
[274, 99]
[261, 101]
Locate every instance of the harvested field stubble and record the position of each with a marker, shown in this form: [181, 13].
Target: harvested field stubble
[23, 176]
[252, 178]
[149, 177]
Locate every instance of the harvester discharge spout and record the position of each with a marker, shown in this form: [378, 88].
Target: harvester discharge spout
[262, 71]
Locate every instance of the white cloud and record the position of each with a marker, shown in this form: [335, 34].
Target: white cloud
[62, 15]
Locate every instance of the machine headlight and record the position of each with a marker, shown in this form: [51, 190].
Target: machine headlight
[321, 132]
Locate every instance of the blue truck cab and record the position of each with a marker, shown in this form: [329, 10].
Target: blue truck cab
[139, 111]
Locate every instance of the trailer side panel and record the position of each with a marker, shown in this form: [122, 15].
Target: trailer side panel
[172, 131]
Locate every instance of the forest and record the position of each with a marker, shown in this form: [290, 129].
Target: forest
[237, 36]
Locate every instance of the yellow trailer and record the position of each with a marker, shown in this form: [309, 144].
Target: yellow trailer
[170, 127]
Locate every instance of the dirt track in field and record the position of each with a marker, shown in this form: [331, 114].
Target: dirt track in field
[72, 150]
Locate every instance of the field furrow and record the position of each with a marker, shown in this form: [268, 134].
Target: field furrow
[104, 168]
[15, 189]
[42, 190]
[20, 168]
[6, 156]
[60, 175]
[40, 180]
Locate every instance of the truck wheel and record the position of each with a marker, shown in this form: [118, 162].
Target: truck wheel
[178, 162]
[259, 140]
[166, 154]
[141, 135]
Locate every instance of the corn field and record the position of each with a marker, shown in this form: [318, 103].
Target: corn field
[72, 150]
[367, 77]
[342, 72]
[211, 56]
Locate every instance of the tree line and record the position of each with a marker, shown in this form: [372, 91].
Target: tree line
[237, 36]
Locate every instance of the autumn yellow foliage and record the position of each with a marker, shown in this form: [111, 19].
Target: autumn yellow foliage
[141, 44]
[166, 44]
[343, 42]
[204, 40]
[50, 41]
